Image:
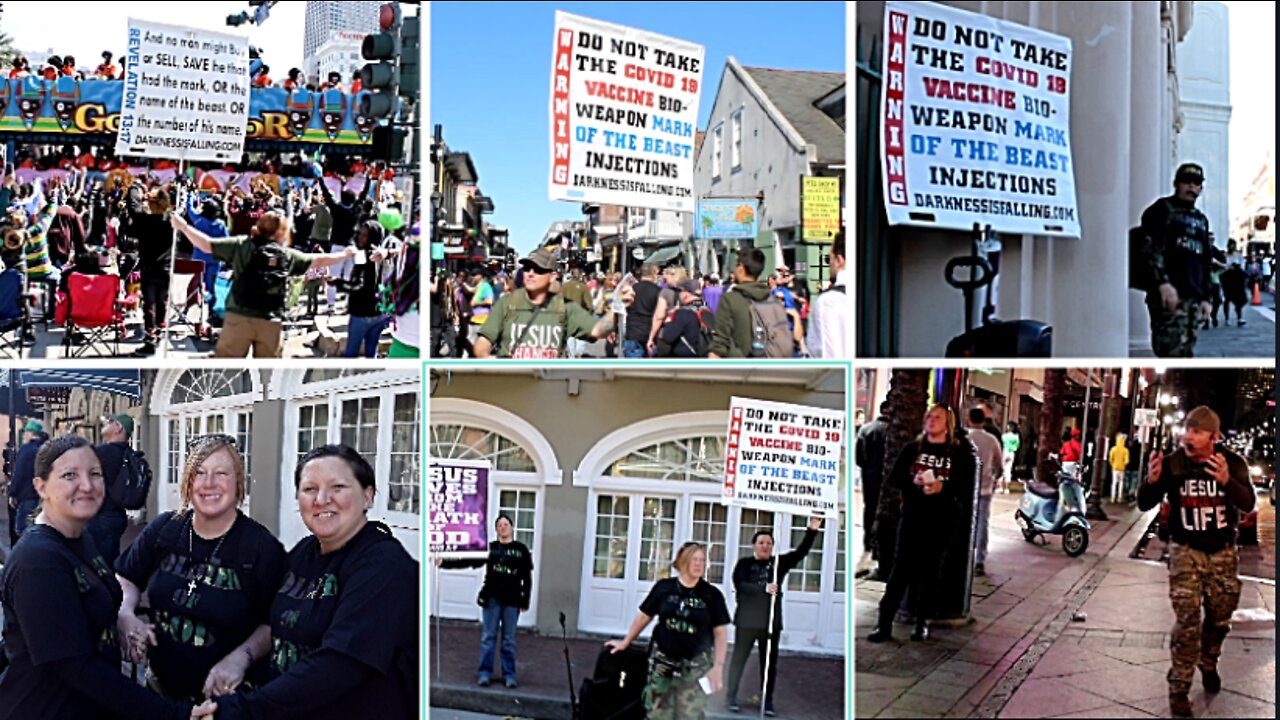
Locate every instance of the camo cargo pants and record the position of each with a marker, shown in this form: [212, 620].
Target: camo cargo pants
[673, 692]
[1173, 334]
[1195, 576]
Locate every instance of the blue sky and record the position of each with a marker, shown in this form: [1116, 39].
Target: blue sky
[491, 75]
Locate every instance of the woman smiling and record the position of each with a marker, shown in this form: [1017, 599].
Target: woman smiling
[210, 573]
[60, 601]
[344, 625]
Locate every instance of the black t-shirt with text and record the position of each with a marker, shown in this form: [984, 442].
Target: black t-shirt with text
[686, 617]
[640, 315]
[357, 605]
[202, 606]
[955, 465]
[1203, 515]
[60, 601]
[508, 575]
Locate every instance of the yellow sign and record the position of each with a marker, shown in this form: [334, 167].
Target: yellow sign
[819, 209]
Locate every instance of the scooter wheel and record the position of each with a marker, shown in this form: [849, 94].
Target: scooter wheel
[1075, 540]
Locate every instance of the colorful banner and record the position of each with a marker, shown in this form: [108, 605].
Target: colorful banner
[212, 181]
[727, 219]
[457, 519]
[975, 123]
[624, 112]
[783, 458]
[819, 209]
[186, 94]
[92, 107]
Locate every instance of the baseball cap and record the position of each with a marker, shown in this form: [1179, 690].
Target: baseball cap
[34, 426]
[1202, 418]
[125, 421]
[540, 258]
[1189, 172]
[690, 286]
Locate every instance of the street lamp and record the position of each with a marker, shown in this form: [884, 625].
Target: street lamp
[1164, 399]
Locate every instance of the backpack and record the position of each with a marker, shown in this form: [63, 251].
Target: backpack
[770, 331]
[130, 487]
[706, 333]
[265, 282]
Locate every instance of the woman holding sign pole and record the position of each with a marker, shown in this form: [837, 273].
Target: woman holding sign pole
[508, 583]
[690, 642]
[758, 582]
[934, 474]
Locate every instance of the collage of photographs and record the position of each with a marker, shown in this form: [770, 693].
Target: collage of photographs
[664, 454]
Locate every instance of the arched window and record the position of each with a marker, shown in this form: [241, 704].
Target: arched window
[689, 459]
[464, 442]
[201, 385]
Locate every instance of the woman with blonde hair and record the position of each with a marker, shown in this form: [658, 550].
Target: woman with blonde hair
[690, 642]
[937, 474]
[210, 573]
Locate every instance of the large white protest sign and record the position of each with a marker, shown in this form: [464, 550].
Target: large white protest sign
[975, 123]
[186, 94]
[783, 457]
[624, 112]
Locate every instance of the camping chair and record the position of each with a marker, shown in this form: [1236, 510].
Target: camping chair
[186, 292]
[95, 310]
[13, 313]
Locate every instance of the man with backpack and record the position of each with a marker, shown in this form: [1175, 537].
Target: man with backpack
[261, 265]
[535, 323]
[127, 478]
[687, 330]
[749, 323]
[1175, 264]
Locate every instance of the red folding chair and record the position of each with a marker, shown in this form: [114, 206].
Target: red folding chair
[95, 313]
[186, 292]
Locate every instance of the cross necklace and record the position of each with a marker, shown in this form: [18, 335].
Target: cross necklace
[191, 532]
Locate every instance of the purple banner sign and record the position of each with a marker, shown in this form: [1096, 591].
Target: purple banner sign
[458, 514]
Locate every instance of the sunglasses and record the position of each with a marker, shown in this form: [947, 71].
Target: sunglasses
[538, 271]
[216, 438]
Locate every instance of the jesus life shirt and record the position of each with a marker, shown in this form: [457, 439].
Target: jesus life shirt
[1202, 514]
[203, 607]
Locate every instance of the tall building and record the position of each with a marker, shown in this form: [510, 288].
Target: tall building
[326, 18]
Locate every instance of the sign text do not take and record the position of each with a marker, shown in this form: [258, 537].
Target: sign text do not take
[783, 458]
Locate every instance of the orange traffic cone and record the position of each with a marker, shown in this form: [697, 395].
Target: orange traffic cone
[1257, 293]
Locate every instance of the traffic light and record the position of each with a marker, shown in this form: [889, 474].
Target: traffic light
[388, 143]
[381, 77]
[410, 57]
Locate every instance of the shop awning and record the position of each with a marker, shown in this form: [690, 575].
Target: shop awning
[127, 383]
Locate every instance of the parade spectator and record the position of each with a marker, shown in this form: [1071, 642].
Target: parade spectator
[210, 572]
[668, 300]
[60, 599]
[108, 526]
[365, 322]
[829, 319]
[712, 291]
[209, 222]
[1208, 490]
[990, 467]
[344, 626]
[686, 329]
[679, 659]
[640, 319]
[758, 580]
[260, 268]
[746, 325]
[508, 583]
[936, 473]
[146, 211]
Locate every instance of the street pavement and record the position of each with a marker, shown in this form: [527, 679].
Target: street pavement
[1054, 636]
[809, 687]
[1257, 339]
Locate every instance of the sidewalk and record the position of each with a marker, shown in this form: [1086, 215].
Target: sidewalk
[809, 687]
[1055, 636]
[1257, 339]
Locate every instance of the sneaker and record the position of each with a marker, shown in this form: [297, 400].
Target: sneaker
[511, 683]
[1211, 679]
[980, 570]
[880, 634]
[1179, 705]
[733, 706]
[147, 350]
[1240, 323]
[483, 681]
[921, 632]
[769, 712]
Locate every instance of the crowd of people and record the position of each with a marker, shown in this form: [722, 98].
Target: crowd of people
[234, 626]
[123, 222]
[544, 311]
[690, 642]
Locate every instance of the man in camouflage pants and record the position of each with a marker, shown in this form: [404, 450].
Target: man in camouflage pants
[1176, 264]
[1208, 489]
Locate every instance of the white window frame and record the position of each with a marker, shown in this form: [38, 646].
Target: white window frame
[717, 152]
[735, 140]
